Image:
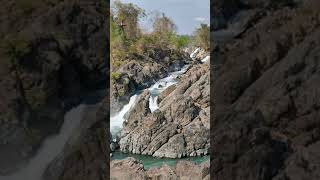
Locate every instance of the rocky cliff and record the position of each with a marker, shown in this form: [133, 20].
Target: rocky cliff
[52, 54]
[180, 127]
[265, 90]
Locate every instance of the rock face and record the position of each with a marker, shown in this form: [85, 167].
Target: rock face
[46, 67]
[265, 89]
[180, 127]
[133, 169]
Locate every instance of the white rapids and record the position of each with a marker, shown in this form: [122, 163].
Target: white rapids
[156, 89]
[194, 53]
[50, 149]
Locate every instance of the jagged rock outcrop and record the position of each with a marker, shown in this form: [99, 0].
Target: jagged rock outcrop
[180, 127]
[166, 92]
[265, 91]
[132, 169]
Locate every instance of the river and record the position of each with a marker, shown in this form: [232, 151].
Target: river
[155, 90]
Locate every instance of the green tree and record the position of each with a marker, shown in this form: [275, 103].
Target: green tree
[127, 18]
[163, 24]
[181, 41]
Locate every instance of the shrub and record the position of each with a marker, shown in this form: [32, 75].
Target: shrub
[27, 6]
[15, 47]
[115, 76]
[121, 92]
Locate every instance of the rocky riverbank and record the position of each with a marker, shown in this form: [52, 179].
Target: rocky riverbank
[133, 169]
[266, 90]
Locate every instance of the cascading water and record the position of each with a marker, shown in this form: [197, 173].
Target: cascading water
[50, 149]
[153, 105]
[161, 85]
[194, 53]
[117, 120]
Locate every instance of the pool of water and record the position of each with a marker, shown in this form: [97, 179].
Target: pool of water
[150, 161]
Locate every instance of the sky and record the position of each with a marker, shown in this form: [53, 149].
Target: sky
[186, 14]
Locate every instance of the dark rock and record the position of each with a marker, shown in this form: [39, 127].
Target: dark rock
[264, 90]
[65, 60]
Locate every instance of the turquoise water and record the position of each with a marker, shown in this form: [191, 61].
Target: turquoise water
[149, 161]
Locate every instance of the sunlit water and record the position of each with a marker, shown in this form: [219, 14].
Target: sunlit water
[50, 149]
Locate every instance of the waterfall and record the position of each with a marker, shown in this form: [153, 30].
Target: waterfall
[50, 148]
[117, 120]
[153, 105]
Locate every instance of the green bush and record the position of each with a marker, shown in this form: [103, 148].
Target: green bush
[27, 6]
[121, 92]
[15, 47]
[115, 76]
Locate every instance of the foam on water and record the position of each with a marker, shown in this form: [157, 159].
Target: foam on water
[50, 149]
